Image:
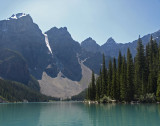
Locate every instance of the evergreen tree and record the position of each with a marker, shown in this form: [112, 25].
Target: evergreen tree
[123, 86]
[113, 87]
[158, 80]
[130, 77]
[139, 68]
[100, 81]
[93, 87]
[158, 88]
[109, 79]
[138, 77]
[89, 92]
[119, 75]
[104, 77]
[98, 87]
[147, 60]
[153, 65]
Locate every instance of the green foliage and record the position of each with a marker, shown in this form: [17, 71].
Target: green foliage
[105, 99]
[98, 87]
[130, 77]
[80, 97]
[123, 84]
[3, 99]
[158, 88]
[114, 87]
[148, 98]
[104, 77]
[91, 92]
[94, 61]
[131, 80]
[118, 76]
[139, 68]
[33, 83]
[109, 79]
[17, 92]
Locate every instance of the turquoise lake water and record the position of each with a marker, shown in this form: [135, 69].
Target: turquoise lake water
[79, 114]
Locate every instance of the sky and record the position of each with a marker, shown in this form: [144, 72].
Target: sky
[123, 20]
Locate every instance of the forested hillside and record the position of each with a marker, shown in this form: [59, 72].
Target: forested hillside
[131, 79]
[17, 92]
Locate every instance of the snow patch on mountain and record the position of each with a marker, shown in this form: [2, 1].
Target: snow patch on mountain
[17, 16]
[47, 43]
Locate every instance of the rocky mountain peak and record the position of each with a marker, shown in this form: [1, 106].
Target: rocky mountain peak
[110, 41]
[89, 40]
[17, 16]
[90, 45]
[19, 22]
[59, 32]
[20, 17]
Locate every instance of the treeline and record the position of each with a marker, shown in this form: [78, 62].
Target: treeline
[80, 96]
[129, 79]
[16, 92]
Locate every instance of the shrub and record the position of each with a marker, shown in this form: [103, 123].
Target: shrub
[147, 98]
[105, 99]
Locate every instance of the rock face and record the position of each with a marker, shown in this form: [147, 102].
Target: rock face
[90, 45]
[20, 34]
[65, 49]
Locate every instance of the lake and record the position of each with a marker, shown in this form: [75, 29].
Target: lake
[79, 114]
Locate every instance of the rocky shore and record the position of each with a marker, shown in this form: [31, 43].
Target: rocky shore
[2, 100]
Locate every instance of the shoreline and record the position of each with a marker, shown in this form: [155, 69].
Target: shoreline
[85, 102]
[115, 102]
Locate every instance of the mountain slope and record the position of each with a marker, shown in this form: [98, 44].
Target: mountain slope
[20, 34]
[63, 87]
[65, 50]
[17, 92]
[14, 67]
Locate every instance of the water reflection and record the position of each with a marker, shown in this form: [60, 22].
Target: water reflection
[63, 114]
[124, 114]
[79, 114]
[19, 114]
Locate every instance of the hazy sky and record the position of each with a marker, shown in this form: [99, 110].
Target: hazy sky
[123, 20]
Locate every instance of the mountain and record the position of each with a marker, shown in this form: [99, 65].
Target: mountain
[70, 73]
[111, 48]
[53, 58]
[14, 67]
[52, 63]
[16, 83]
[90, 45]
[65, 50]
[20, 34]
